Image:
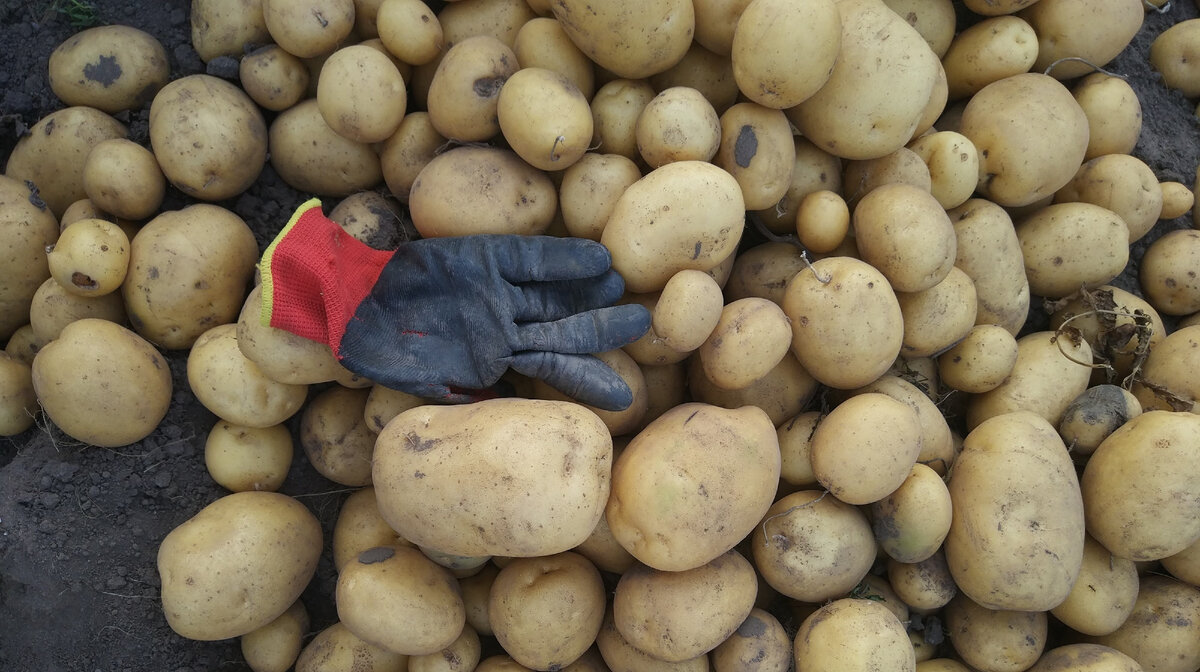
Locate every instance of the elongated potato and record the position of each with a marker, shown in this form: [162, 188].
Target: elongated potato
[989, 252]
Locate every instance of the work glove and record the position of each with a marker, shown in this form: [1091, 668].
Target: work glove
[443, 318]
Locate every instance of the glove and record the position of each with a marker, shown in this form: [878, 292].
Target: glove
[443, 318]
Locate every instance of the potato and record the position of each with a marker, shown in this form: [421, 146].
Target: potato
[1014, 487]
[462, 655]
[336, 438]
[813, 547]
[1071, 245]
[616, 108]
[226, 27]
[123, 178]
[684, 215]
[866, 447]
[547, 611]
[903, 231]
[273, 78]
[989, 639]
[937, 318]
[1103, 595]
[1177, 199]
[846, 323]
[501, 19]
[1167, 273]
[476, 590]
[622, 656]
[815, 170]
[1117, 324]
[997, 7]
[1121, 183]
[1138, 508]
[1085, 658]
[52, 155]
[208, 136]
[542, 43]
[756, 148]
[924, 586]
[470, 190]
[464, 93]
[1018, 163]
[764, 271]
[767, 67]
[1185, 565]
[911, 522]
[782, 393]
[689, 309]
[935, 21]
[359, 527]
[361, 95]
[676, 616]
[750, 338]
[902, 166]
[1165, 381]
[1113, 111]
[281, 355]
[233, 387]
[383, 404]
[1091, 34]
[110, 68]
[248, 458]
[953, 164]
[1094, 415]
[188, 271]
[397, 599]
[53, 308]
[650, 349]
[989, 51]
[716, 21]
[29, 227]
[90, 258]
[1161, 633]
[853, 634]
[18, 400]
[1051, 370]
[759, 643]
[337, 649]
[309, 29]
[678, 124]
[374, 219]
[423, 454]
[1171, 56]
[402, 156]
[590, 189]
[990, 252]
[237, 565]
[633, 40]
[878, 90]
[795, 449]
[544, 118]
[310, 156]
[709, 73]
[276, 645]
[822, 221]
[410, 30]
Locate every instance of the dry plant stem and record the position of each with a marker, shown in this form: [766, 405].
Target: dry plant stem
[1084, 61]
[790, 240]
[790, 510]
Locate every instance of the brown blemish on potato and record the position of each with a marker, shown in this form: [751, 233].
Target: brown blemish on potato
[745, 147]
[105, 71]
[488, 87]
[752, 627]
[377, 554]
[83, 281]
[418, 445]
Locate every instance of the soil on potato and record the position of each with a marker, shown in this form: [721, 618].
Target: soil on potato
[80, 526]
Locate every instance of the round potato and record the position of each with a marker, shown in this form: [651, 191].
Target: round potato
[110, 68]
[905, 233]
[767, 67]
[227, 27]
[462, 655]
[361, 94]
[619, 655]
[336, 648]
[336, 438]
[1085, 658]
[544, 118]
[414, 144]
[853, 634]
[311, 157]
[309, 29]
[781, 393]
[1091, 35]
[987, 52]
[1177, 199]
[359, 527]
[710, 74]
[275, 646]
[542, 43]
[237, 565]
[953, 164]
[273, 78]
[464, 93]
[815, 170]
[1170, 54]
[911, 522]
[1121, 183]
[822, 221]
[616, 108]
[924, 586]
[1094, 415]
[1167, 273]
[590, 189]
[410, 30]
[53, 308]
[123, 179]
[1163, 632]
[281, 355]
[233, 387]
[757, 149]
[678, 124]
[937, 318]
[375, 220]
[1067, 246]
[90, 258]
[632, 39]
[902, 166]
[1113, 111]
[759, 643]
[991, 639]
[866, 447]
[689, 308]
[248, 458]
[750, 338]
[1103, 596]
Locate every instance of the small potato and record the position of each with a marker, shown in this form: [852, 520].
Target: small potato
[1067, 246]
[414, 144]
[18, 400]
[1121, 183]
[1094, 415]
[911, 522]
[233, 387]
[501, 19]
[590, 189]
[90, 258]
[273, 78]
[716, 21]
[764, 271]
[953, 164]
[781, 394]
[361, 94]
[989, 252]
[987, 52]
[547, 611]
[275, 646]
[1177, 199]
[990, 639]
[650, 349]
[410, 30]
[632, 40]
[281, 355]
[866, 447]
[1171, 55]
[110, 68]
[374, 219]
[813, 547]
[666, 388]
[542, 43]
[54, 308]
[544, 118]
[847, 328]
[1093, 34]
[689, 309]
[336, 438]
[1163, 632]
[248, 458]
[383, 404]
[750, 338]
[462, 655]
[795, 449]
[678, 124]
[924, 586]
[905, 233]
[768, 70]
[336, 648]
[123, 179]
[937, 318]
[1085, 658]
[399, 600]
[908, 386]
[1166, 381]
[360, 527]
[227, 27]
[709, 73]
[933, 19]
[1113, 111]
[676, 616]
[997, 7]
[616, 108]
[310, 156]
[237, 565]
[464, 93]
[1051, 370]
[1168, 272]
[1103, 596]
[309, 29]
[822, 221]
[759, 643]
[853, 634]
[756, 148]
[815, 170]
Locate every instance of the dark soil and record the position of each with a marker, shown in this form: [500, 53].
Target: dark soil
[80, 526]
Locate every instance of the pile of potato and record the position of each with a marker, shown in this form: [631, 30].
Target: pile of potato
[843, 449]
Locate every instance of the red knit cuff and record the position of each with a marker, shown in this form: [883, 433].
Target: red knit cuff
[314, 275]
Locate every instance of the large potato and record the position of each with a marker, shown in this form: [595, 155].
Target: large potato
[312, 157]
[110, 68]
[938, 318]
[1067, 246]
[547, 464]
[1171, 56]
[122, 178]
[464, 93]
[905, 233]
[1017, 535]
[1163, 632]
[544, 118]
[695, 464]
[237, 564]
[1113, 111]
[208, 136]
[28, 228]
[632, 38]
[866, 447]
[308, 29]
[361, 94]
[853, 634]
[1167, 273]
[1139, 508]
[684, 215]
[102, 384]
[988, 51]
[1089, 33]
[768, 68]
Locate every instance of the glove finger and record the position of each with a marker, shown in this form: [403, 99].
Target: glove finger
[588, 332]
[546, 258]
[581, 377]
[546, 301]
